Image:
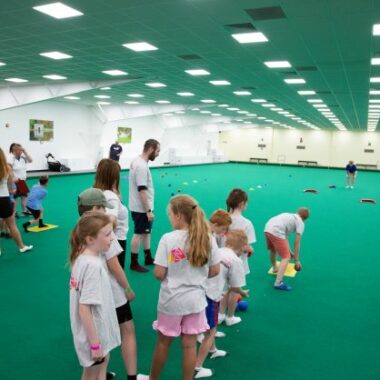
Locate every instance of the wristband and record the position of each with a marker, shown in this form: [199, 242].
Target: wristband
[129, 289]
[149, 211]
[95, 347]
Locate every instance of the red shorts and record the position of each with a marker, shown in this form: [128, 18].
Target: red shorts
[281, 246]
[22, 188]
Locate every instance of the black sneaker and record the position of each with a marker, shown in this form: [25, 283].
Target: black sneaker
[42, 226]
[149, 260]
[138, 268]
[25, 226]
[26, 213]
[110, 375]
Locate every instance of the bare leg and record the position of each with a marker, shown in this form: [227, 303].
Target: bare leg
[223, 304]
[281, 270]
[14, 232]
[189, 356]
[273, 261]
[97, 372]
[160, 355]
[146, 241]
[135, 243]
[129, 347]
[103, 369]
[232, 301]
[24, 200]
[205, 347]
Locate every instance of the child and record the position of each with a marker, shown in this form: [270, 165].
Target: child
[220, 221]
[12, 190]
[237, 202]
[34, 203]
[231, 274]
[185, 258]
[94, 199]
[92, 309]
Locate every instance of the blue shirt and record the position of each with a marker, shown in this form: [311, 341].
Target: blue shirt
[35, 197]
[351, 168]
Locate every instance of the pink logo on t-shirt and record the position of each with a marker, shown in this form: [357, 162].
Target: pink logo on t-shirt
[74, 284]
[176, 255]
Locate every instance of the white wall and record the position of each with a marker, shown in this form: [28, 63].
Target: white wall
[76, 133]
[328, 148]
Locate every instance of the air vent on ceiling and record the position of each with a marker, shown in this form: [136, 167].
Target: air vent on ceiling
[248, 88]
[267, 13]
[240, 28]
[306, 68]
[288, 72]
[324, 92]
[189, 57]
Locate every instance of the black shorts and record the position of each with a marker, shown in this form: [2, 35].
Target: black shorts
[6, 207]
[142, 224]
[124, 313]
[36, 213]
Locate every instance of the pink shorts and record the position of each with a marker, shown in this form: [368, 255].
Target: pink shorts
[175, 325]
[281, 246]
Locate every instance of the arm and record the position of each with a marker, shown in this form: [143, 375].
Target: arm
[144, 197]
[213, 270]
[117, 271]
[297, 247]
[88, 323]
[27, 156]
[160, 272]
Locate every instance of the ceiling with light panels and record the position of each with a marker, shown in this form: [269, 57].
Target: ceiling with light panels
[325, 46]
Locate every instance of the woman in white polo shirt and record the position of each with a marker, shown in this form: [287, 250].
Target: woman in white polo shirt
[18, 158]
[6, 208]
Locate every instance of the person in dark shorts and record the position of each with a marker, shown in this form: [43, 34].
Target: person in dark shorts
[115, 151]
[351, 172]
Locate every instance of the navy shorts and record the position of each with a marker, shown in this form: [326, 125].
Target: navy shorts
[124, 313]
[142, 224]
[212, 311]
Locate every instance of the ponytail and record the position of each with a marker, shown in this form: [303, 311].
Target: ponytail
[199, 244]
[235, 198]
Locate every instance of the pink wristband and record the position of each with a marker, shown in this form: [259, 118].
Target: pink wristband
[95, 347]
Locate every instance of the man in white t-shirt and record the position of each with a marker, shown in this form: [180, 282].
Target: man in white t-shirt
[277, 231]
[18, 158]
[141, 203]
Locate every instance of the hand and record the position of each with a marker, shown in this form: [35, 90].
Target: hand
[130, 294]
[297, 266]
[249, 250]
[245, 293]
[97, 355]
[150, 216]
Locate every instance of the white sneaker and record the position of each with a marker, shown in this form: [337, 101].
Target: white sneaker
[26, 248]
[200, 338]
[220, 334]
[217, 354]
[142, 377]
[202, 372]
[232, 321]
[221, 318]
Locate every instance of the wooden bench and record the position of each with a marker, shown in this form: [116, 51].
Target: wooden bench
[307, 163]
[258, 160]
[366, 166]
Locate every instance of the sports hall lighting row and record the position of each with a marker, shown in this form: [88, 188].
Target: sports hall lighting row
[374, 104]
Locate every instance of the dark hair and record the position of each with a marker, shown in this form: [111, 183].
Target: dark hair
[44, 180]
[82, 209]
[235, 197]
[107, 175]
[12, 146]
[151, 143]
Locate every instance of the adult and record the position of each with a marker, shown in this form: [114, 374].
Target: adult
[115, 151]
[277, 231]
[107, 179]
[351, 171]
[19, 158]
[141, 203]
[6, 207]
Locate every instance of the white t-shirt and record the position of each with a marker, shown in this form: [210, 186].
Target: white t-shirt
[90, 285]
[183, 290]
[120, 212]
[4, 191]
[284, 225]
[18, 165]
[239, 222]
[139, 175]
[220, 240]
[118, 292]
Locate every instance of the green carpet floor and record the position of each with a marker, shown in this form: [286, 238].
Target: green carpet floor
[326, 328]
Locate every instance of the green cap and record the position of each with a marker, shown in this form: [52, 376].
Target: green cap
[93, 197]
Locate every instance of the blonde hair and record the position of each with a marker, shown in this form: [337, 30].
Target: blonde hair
[199, 244]
[221, 218]
[88, 225]
[4, 168]
[236, 239]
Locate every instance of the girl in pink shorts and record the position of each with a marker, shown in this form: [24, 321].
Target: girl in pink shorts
[185, 258]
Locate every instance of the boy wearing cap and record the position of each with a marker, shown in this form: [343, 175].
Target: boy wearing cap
[94, 199]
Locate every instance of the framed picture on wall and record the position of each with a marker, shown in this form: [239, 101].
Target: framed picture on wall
[41, 130]
[124, 135]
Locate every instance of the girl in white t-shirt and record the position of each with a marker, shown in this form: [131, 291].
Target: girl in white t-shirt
[237, 203]
[92, 309]
[185, 258]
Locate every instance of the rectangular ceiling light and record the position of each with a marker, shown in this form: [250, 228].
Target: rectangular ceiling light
[197, 72]
[102, 96]
[54, 77]
[375, 80]
[56, 55]
[208, 101]
[105, 88]
[220, 82]
[374, 92]
[135, 95]
[268, 105]
[103, 103]
[223, 105]
[58, 10]
[376, 30]
[131, 102]
[374, 100]
[249, 38]
[2, 64]
[277, 64]
[185, 94]
[162, 101]
[16, 80]
[295, 81]
[258, 100]
[140, 46]
[114, 73]
[306, 92]
[72, 97]
[155, 84]
[314, 100]
[242, 93]
[375, 61]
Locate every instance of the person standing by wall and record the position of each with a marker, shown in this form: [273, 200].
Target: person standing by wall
[115, 151]
[351, 171]
[141, 203]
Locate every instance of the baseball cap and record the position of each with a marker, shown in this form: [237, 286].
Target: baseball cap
[93, 197]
